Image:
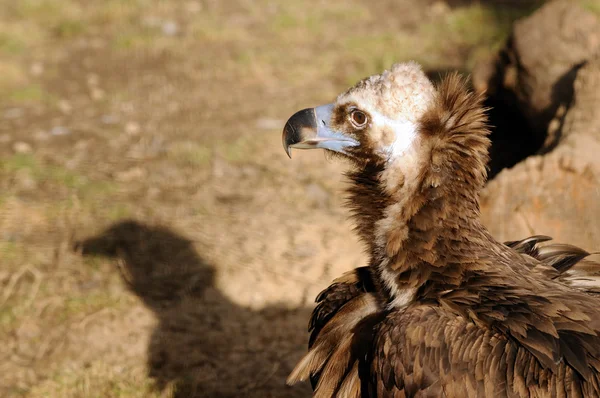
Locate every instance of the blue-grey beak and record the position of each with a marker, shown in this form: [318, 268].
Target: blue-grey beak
[309, 129]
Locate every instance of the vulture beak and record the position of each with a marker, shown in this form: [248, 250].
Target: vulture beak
[309, 129]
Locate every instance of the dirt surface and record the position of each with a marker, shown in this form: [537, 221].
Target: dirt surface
[155, 239]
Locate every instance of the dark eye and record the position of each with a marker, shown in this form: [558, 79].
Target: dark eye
[358, 118]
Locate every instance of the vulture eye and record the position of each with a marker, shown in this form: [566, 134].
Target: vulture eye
[358, 118]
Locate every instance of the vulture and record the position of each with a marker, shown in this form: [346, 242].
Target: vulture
[441, 309]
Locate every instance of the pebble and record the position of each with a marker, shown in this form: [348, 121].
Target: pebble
[22, 147]
[41, 135]
[193, 7]
[109, 119]
[36, 69]
[132, 128]
[97, 94]
[170, 28]
[269, 124]
[59, 130]
[65, 106]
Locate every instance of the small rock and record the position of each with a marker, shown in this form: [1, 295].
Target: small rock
[36, 69]
[65, 106]
[97, 94]
[193, 7]
[170, 28]
[109, 119]
[269, 124]
[22, 147]
[41, 135]
[59, 130]
[132, 128]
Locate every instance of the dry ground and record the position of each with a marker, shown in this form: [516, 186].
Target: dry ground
[154, 238]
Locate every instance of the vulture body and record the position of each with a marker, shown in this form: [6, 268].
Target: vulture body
[442, 309]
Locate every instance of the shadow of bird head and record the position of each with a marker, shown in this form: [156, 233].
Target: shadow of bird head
[159, 265]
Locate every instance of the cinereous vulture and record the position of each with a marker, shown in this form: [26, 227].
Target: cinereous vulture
[442, 309]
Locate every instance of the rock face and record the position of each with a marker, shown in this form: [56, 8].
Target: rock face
[532, 77]
[550, 70]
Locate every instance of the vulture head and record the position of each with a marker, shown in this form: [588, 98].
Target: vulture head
[418, 136]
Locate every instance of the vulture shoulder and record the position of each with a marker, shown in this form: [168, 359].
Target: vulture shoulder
[563, 262]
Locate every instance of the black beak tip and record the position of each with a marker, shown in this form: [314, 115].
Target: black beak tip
[289, 137]
[292, 132]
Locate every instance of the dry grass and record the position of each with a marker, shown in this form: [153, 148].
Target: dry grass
[169, 112]
[591, 5]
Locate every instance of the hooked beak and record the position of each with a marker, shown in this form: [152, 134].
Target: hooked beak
[309, 129]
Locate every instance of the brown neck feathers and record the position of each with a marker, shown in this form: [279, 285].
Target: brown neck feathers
[428, 228]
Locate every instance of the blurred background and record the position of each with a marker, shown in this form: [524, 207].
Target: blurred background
[155, 240]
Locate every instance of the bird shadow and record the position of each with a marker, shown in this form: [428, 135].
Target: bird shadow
[203, 344]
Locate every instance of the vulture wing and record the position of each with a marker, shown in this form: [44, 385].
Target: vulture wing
[571, 269]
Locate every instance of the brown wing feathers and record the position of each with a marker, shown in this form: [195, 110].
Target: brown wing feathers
[337, 362]
[468, 361]
[338, 346]
[529, 245]
[560, 256]
[337, 336]
[342, 290]
[568, 260]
